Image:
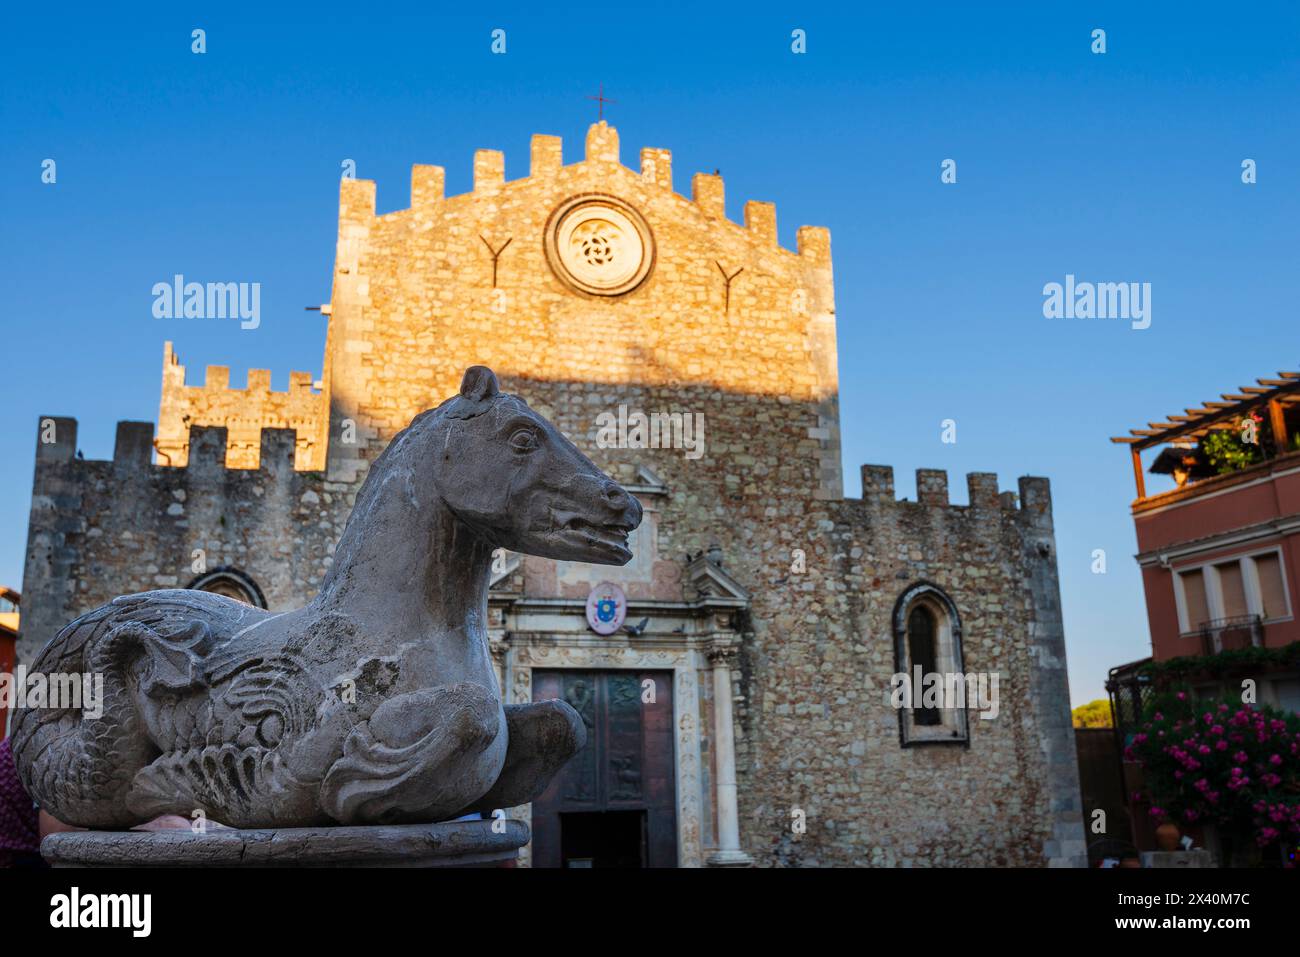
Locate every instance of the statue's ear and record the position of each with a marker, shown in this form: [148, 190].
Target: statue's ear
[480, 382]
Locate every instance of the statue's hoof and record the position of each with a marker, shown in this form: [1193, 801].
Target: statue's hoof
[561, 732]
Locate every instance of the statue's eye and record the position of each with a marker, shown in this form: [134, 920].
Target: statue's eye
[523, 440]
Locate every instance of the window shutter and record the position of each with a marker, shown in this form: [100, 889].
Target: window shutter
[1272, 588]
[1234, 590]
[1198, 609]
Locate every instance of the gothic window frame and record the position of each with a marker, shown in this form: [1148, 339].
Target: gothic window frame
[953, 727]
[241, 580]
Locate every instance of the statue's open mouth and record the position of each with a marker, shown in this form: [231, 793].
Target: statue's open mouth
[611, 537]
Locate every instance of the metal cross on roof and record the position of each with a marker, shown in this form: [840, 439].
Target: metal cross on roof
[601, 100]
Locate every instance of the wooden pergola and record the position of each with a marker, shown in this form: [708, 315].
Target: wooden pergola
[1270, 395]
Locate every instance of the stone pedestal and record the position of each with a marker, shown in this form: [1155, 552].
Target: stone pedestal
[454, 844]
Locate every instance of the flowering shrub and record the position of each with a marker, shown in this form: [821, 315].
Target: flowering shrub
[1235, 766]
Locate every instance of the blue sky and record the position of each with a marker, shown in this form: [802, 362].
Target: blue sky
[1116, 167]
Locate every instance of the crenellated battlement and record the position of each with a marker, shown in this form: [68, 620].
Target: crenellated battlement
[209, 450]
[1034, 498]
[546, 161]
[102, 528]
[242, 413]
[217, 378]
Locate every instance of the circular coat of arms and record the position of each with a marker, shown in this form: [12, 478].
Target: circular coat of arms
[606, 608]
[599, 244]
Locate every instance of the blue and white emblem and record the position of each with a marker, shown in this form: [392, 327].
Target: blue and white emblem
[606, 608]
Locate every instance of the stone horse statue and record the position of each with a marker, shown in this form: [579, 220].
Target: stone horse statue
[377, 703]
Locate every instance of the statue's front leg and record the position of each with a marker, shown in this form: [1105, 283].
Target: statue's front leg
[543, 736]
[418, 758]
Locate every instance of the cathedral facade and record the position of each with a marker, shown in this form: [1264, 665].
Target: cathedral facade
[744, 708]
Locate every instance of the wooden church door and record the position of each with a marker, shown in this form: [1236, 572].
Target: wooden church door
[614, 805]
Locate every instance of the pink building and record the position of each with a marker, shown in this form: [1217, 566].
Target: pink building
[1220, 549]
[1217, 516]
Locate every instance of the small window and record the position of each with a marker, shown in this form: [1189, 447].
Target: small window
[1286, 693]
[232, 583]
[928, 649]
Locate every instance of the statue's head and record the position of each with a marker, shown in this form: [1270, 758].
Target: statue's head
[509, 474]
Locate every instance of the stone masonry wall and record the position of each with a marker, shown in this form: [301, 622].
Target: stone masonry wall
[815, 730]
[414, 302]
[102, 529]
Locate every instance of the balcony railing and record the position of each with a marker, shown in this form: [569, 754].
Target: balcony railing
[1231, 634]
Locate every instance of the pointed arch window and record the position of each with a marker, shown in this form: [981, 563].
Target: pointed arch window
[232, 583]
[927, 642]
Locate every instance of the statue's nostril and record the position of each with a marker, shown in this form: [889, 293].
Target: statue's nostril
[615, 497]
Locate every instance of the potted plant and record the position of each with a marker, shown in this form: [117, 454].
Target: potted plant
[1241, 446]
[1168, 835]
